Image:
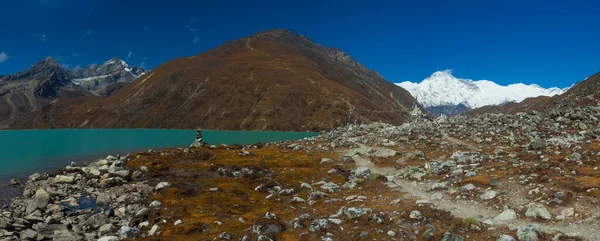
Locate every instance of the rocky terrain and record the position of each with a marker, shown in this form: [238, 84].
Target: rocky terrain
[47, 80]
[273, 80]
[524, 176]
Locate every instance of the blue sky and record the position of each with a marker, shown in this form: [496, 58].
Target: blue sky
[550, 43]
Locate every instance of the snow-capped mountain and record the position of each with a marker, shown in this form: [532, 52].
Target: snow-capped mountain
[103, 79]
[443, 89]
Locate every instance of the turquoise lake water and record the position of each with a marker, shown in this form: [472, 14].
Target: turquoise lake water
[23, 152]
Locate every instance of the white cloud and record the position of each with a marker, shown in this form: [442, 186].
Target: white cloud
[75, 54]
[42, 36]
[89, 31]
[143, 63]
[3, 57]
[145, 28]
[193, 30]
[129, 55]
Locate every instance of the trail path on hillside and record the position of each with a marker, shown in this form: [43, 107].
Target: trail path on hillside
[588, 229]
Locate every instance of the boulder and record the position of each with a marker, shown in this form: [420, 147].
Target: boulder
[128, 232]
[28, 234]
[103, 199]
[64, 179]
[537, 210]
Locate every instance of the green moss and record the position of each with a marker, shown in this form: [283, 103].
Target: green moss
[377, 176]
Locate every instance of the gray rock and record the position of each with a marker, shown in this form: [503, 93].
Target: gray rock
[360, 172]
[96, 221]
[28, 234]
[121, 173]
[325, 160]
[488, 195]
[103, 199]
[153, 230]
[538, 144]
[467, 187]
[451, 237]
[15, 182]
[537, 210]
[415, 214]
[106, 229]
[162, 185]
[319, 225]
[64, 179]
[330, 187]
[34, 177]
[355, 213]
[505, 237]
[155, 204]
[142, 212]
[528, 232]
[109, 238]
[65, 235]
[128, 232]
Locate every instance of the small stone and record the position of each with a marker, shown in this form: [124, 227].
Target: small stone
[391, 233]
[415, 214]
[109, 238]
[451, 237]
[528, 232]
[537, 210]
[488, 195]
[177, 222]
[505, 237]
[64, 179]
[162, 185]
[128, 232]
[155, 204]
[153, 230]
[467, 187]
[15, 182]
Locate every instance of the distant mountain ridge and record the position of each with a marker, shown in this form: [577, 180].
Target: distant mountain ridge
[272, 80]
[442, 89]
[98, 78]
[46, 80]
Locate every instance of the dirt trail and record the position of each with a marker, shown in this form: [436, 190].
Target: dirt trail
[587, 229]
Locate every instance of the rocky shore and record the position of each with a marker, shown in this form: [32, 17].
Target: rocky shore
[100, 200]
[527, 177]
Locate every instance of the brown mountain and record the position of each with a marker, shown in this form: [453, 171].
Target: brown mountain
[273, 80]
[583, 93]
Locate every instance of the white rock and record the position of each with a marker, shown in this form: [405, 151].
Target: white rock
[155, 204]
[64, 179]
[109, 238]
[489, 195]
[177, 222]
[153, 230]
[162, 185]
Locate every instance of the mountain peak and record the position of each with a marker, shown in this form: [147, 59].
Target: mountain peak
[443, 89]
[48, 61]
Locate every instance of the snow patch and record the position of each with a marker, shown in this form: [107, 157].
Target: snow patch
[78, 81]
